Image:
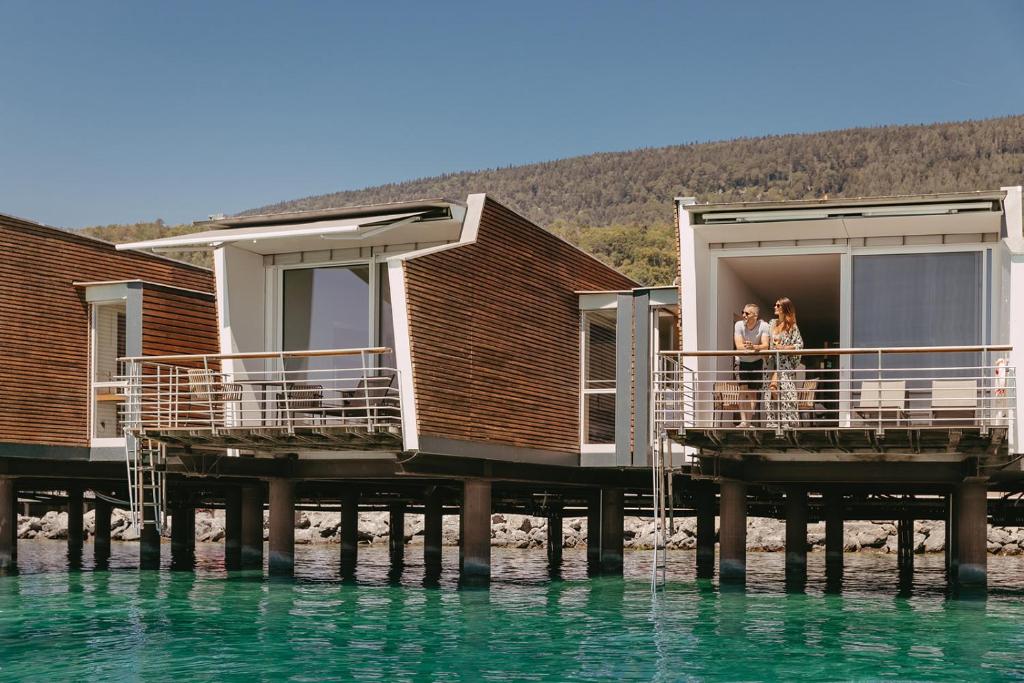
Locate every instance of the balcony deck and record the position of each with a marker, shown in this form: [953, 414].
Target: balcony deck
[910, 404]
[339, 400]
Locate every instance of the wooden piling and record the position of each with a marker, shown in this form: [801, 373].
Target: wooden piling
[733, 531]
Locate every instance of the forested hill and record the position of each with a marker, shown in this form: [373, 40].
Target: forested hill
[618, 205]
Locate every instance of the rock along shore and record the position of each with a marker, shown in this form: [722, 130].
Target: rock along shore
[521, 531]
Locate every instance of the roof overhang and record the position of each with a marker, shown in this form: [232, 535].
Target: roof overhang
[311, 231]
[956, 213]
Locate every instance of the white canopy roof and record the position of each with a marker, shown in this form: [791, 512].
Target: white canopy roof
[336, 229]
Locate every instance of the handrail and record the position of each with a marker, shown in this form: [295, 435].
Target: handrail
[261, 354]
[835, 351]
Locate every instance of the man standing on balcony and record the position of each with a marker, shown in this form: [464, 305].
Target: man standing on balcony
[750, 334]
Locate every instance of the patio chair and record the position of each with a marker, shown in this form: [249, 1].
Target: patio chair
[726, 400]
[210, 395]
[373, 398]
[301, 398]
[806, 396]
[954, 401]
[884, 400]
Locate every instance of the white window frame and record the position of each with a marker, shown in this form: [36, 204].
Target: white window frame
[586, 447]
[94, 386]
[275, 327]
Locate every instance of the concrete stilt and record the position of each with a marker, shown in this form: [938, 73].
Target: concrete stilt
[76, 526]
[14, 519]
[554, 544]
[349, 529]
[594, 532]
[252, 527]
[953, 535]
[101, 539]
[433, 521]
[8, 530]
[796, 533]
[733, 532]
[232, 529]
[704, 501]
[833, 531]
[612, 528]
[183, 536]
[905, 545]
[475, 553]
[281, 561]
[396, 534]
[149, 536]
[972, 533]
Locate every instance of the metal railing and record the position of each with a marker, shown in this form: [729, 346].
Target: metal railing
[283, 391]
[864, 388]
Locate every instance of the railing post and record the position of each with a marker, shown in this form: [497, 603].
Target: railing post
[776, 395]
[285, 399]
[881, 402]
[363, 357]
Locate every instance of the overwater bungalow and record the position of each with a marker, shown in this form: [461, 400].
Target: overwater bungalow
[911, 310]
[72, 305]
[411, 354]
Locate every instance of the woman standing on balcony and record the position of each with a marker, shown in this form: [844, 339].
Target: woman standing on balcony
[781, 397]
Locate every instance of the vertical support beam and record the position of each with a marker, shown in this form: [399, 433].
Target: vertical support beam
[149, 536]
[101, 540]
[905, 544]
[952, 535]
[623, 378]
[76, 526]
[433, 525]
[183, 536]
[972, 532]
[396, 534]
[281, 561]
[232, 529]
[612, 527]
[554, 544]
[14, 519]
[349, 528]
[8, 525]
[642, 380]
[833, 531]
[796, 533]
[475, 559]
[594, 531]
[252, 527]
[733, 533]
[704, 501]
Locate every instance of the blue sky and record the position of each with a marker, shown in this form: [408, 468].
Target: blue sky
[128, 111]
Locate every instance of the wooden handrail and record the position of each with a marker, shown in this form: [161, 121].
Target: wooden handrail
[259, 354]
[844, 352]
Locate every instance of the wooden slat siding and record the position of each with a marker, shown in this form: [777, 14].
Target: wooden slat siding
[494, 334]
[44, 334]
[178, 322]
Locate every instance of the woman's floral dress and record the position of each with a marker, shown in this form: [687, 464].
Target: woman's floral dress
[782, 408]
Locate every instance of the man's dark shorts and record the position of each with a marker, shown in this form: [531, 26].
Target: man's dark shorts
[751, 375]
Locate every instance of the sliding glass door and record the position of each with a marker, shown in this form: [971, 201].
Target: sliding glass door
[326, 308]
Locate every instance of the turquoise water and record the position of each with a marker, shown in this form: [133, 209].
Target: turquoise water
[211, 626]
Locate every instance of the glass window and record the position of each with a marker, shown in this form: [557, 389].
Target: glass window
[326, 308]
[927, 299]
[108, 344]
[598, 356]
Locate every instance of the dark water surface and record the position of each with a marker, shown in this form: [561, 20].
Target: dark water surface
[123, 624]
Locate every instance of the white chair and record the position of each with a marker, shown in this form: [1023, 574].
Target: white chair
[882, 400]
[954, 400]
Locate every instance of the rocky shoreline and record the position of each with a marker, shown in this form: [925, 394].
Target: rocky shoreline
[521, 531]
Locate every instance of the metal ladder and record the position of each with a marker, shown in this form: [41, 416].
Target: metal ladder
[147, 481]
[662, 506]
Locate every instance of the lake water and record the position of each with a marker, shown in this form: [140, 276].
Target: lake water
[214, 626]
